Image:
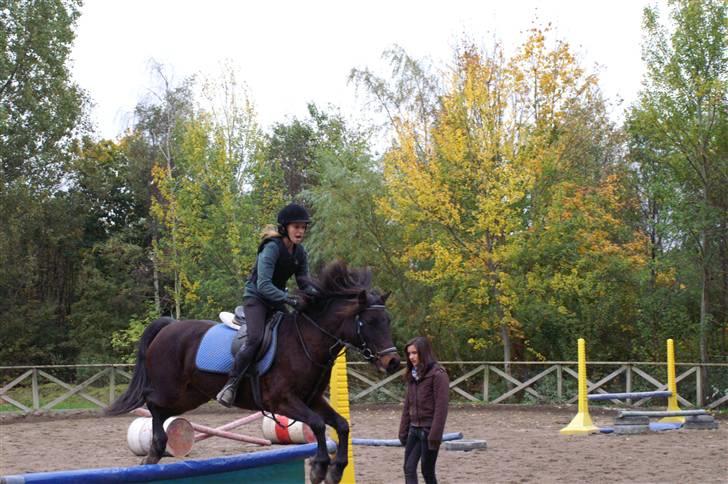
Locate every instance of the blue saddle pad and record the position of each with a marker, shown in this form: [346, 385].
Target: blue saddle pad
[214, 354]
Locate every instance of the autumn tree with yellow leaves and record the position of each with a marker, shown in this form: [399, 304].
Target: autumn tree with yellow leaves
[512, 147]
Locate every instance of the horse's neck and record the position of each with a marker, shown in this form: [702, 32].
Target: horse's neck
[323, 338]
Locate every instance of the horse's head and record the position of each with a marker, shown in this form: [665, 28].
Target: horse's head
[374, 332]
[345, 304]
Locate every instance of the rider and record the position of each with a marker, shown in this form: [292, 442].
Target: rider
[280, 255]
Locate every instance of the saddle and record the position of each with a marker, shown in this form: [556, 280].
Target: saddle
[221, 342]
[241, 338]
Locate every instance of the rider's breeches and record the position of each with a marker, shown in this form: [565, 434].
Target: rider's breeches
[256, 313]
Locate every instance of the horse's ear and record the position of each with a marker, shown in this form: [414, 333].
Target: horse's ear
[363, 300]
[385, 296]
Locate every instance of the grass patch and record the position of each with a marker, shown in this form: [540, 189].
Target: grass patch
[48, 392]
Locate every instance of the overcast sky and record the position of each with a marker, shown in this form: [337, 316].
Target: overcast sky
[293, 52]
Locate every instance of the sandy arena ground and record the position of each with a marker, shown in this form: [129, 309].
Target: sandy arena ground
[524, 445]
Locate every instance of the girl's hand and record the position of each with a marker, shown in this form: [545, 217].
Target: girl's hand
[293, 302]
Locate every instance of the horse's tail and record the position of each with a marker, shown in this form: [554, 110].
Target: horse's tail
[134, 396]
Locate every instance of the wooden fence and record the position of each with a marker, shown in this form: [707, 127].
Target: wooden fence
[27, 389]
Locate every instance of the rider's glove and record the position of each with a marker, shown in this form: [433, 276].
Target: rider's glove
[293, 302]
[311, 291]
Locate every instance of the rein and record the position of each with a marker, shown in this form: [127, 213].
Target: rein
[364, 350]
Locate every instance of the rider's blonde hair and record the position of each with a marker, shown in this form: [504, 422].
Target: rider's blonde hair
[270, 231]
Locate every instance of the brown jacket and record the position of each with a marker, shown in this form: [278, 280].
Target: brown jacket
[425, 405]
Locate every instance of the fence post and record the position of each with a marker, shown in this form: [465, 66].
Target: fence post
[339, 397]
[699, 387]
[112, 384]
[486, 382]
[559, 381]
[628, 383]
[35, 390]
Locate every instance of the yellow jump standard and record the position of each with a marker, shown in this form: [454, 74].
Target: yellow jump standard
[581, 424]
[339, 387]
[672, 405]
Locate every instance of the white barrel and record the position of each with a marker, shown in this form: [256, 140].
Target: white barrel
[180, 436]
[288, 432]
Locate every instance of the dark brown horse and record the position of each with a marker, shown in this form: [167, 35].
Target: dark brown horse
[345, 313]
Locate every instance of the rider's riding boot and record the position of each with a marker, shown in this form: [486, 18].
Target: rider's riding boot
[239, 318]
[226, 396]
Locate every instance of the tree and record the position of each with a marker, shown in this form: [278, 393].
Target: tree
[484, 177]
[112, 284]
[291, 149]
[348, 223]
[208, 223]
[681, 124]
[41, 224]
[158, 126]
[40, 107]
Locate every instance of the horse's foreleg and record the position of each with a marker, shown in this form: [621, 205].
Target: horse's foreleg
[297, 410]
[159, 436]
[333, 419]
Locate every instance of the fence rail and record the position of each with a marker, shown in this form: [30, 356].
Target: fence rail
[27, 389]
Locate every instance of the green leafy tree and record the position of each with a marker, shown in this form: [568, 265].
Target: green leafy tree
[40, 106]
[206, 211]
[41, 225]
[349, 224]
[113, 281]
[156, 134]
[679, 128]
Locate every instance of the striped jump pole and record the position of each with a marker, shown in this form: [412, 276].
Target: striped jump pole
[581, 424]
[672, 405]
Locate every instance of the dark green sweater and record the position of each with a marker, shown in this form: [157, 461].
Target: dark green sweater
[263, 286]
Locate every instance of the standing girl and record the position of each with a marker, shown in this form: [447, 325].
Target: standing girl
[425, 410]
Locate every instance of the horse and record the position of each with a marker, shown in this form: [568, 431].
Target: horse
[345, 313]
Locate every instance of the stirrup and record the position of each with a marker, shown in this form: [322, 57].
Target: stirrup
[226, 397]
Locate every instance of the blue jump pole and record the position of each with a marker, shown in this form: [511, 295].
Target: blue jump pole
[397, 443]
[270, 466]
[630, 395]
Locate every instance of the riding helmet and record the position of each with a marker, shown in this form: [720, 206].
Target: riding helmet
[293, 213]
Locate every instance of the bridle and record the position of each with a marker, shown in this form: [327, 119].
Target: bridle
[363, 349]
[335, 349]
[339, 344]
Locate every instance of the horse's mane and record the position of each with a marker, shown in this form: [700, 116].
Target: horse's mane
[338, 280]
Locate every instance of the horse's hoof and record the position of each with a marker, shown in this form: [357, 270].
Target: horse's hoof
[334, 475]
[149, 460]
[318, 472]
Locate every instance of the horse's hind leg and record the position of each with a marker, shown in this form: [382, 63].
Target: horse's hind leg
[159, 436]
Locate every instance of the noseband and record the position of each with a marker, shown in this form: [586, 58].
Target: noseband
[364, 349]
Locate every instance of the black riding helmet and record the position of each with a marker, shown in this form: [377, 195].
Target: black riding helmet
[290, 214]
